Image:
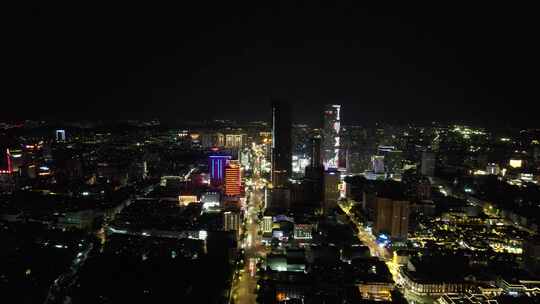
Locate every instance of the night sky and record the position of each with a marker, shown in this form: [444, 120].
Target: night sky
[387, 63]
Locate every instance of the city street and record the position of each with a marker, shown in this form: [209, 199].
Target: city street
[245, 283]
[68, 278]
[378, 251]
[368, 239]
[383, 254]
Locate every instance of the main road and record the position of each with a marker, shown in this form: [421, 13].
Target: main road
[244, 288]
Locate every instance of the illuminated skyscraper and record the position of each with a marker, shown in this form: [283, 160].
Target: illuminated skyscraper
[232, 178]
[217, 164]
[281, 143]
[331, 136]
[60, 135]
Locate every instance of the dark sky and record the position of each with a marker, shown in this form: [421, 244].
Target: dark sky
[387, 63]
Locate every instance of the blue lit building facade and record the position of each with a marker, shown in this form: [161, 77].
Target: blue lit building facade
[217, 164]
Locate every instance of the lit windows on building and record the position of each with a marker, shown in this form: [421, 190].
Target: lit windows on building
[234, 140]
[331, 136]
[217, 164]
[267, 224]
[232, 178]
[60, 135]
[299, 163]
[303, 231]
[185, 200]
[515, 163]
[231, 221]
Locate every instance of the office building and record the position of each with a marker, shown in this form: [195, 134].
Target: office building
[331, 136]
[231, 221]
[314, 175]
[212, 139]
[245, 157]
[278, 198]
[391, 217]
[331, 182]
[428, 164]
[377, 163]
[60, 135]
[232, 178]
[281, 144]
[315, 169]
[217, 164]
[267, 223]
[393, 160]
[316, 161]
[235, 141]
[303, 231]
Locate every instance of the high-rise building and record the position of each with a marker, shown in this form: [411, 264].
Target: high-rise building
[212, 139]
[6, 161]
[331, 190]
[315, 169]
[60, 135]
[278, 198]
[391, 217]
[393, 159]
[316, 152]
[428, 164]
[331, 136]
[267, 224]
[232, 178]
[217, 164]
[235, 141]
[377, 162]
[245, 157]
[231, 221]
[314, 176]
[281, 143]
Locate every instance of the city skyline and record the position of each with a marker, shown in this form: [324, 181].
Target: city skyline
[270, 153]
